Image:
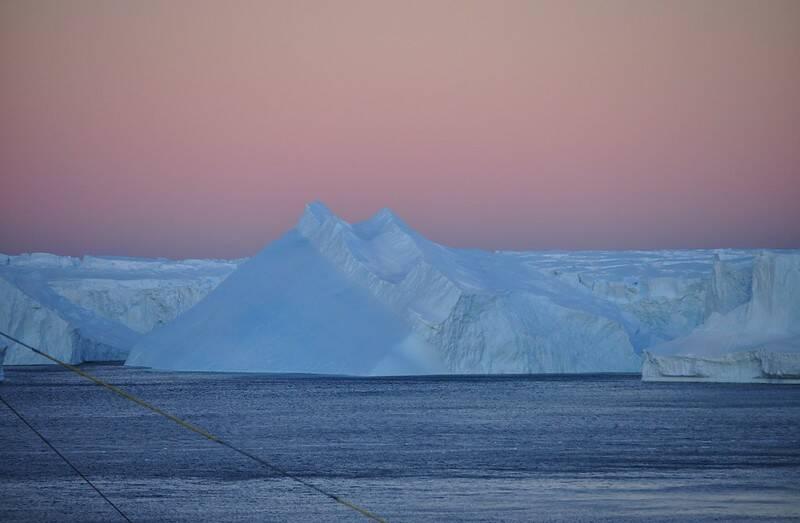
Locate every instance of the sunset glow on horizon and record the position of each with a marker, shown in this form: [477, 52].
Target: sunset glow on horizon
[202, 128]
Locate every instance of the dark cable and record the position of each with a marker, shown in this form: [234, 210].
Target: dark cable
[185, 424]
[68, 462]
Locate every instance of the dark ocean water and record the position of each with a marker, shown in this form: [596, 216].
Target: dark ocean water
[589, 448]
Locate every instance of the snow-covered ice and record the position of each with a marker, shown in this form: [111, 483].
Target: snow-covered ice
[95, 308]
[377, 298]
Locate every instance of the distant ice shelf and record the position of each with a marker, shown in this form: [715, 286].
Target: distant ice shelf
[95, 308]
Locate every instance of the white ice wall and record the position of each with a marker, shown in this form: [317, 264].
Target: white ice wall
[94, 309]
[140, 304]
[756, 341]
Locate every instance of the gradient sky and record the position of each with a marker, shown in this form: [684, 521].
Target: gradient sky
[200, 129]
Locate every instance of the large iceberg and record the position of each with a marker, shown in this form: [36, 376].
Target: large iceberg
[95, 308]
[377, 298]
[753, 336]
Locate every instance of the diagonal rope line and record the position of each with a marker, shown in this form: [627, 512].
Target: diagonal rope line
[185, 424]
[60, 455]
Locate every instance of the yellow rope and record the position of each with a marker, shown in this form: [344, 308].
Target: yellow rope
[197, 430]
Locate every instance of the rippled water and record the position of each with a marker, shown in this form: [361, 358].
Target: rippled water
[587, 448]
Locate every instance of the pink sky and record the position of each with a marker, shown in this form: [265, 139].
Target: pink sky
[200, 129]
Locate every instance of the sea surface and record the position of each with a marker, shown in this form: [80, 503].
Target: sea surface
[515, 448]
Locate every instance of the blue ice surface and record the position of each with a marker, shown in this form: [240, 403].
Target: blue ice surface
[266, 304]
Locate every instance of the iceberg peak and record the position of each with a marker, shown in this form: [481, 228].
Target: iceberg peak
[386, 213]
[386, 217]
[316, 215]
[319, 211]
[382, 221]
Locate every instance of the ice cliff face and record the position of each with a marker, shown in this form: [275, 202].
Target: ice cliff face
[378, 298]
[94, 309]
[729, 288]
[753, 337]
[139, 304]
